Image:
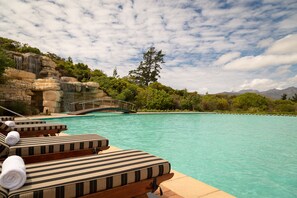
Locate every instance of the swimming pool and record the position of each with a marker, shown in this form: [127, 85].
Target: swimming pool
[245, 155]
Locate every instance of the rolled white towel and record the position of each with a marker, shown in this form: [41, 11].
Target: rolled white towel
[13, 175]
[12, 138]
[10, 123]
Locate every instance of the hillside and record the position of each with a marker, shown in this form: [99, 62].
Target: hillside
[272, 93]
[277, 94]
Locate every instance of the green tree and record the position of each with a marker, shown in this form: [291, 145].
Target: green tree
[214, 102]
[9, 44]
[129, 93]
[5, 61]
[66, 68]
[284, 106]
[159, 86]
[27, 48]
[190, 101]
[149, 69]
[97, 73]
[115, 73]
[150, 98]
[251, 101]
[284, 97]
[294, 98]
[82, 72]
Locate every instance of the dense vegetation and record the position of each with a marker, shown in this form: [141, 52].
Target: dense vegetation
[141, 87]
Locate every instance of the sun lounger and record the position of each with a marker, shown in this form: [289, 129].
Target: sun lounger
[37, 149]
[33, 130]
[6, 118]
[18, 122]
[21, 122]
[125, 173]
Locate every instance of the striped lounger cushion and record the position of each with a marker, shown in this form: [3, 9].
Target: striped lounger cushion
[45, 145]
[33, 127]
[20, 122]
[39, 127]
[6, 118]
[74, 177]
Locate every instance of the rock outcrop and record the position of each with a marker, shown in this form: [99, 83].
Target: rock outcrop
[19, 86]
[29, 62]
[48, 69]
[36, 81]
[76, 91]
[51, 92]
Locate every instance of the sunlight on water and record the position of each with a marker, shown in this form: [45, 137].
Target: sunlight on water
[245, 155]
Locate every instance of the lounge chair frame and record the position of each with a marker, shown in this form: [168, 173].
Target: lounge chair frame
[132, 190]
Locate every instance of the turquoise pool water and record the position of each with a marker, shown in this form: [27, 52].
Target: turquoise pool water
[245, 155]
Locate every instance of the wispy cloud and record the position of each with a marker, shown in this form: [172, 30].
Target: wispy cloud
[209, 45]
[227, 58]
[282, 52]
[260, 84]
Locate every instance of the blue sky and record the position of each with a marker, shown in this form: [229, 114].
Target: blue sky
[210, 45]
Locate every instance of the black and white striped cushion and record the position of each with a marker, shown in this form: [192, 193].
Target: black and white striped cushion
[54, 144]
[21, 122]
[39, 127]
[80, 176]
[6, 118]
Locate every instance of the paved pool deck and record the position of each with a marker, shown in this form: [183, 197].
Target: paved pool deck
[179, 186]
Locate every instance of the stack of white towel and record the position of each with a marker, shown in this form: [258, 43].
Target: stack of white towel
[12, 138]
[13, 175]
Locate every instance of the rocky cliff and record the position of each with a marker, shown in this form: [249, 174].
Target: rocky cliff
[36, 81]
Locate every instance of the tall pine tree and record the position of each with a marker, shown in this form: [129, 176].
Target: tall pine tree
[149, 69]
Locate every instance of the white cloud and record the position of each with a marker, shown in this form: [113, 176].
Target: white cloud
[291, 81]
[260, 84]
[289, 23]
[201, 79]
[286, 45]
[249, 63]
[282, 71]
[265, 43]
[282, 52]
[227, 58]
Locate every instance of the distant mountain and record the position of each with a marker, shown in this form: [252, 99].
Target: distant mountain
[272, 93]
[277, 94]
